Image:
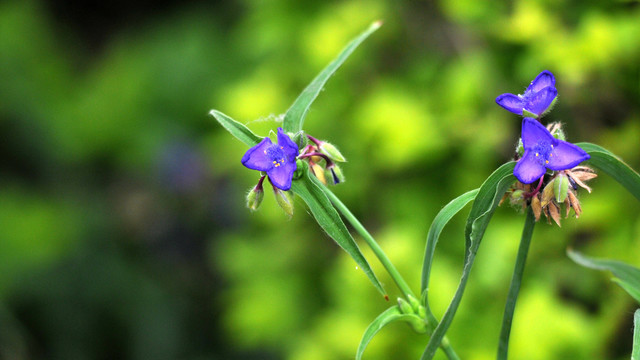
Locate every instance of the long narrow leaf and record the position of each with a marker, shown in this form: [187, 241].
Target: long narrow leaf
[484, 206]
[390, 315]
[294, 118]
[627, 276]
[606, 161]
[635, 355]
[236, 129]
[439, 222]
[329, 219]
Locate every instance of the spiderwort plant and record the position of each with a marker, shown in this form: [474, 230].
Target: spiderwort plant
[545, 175]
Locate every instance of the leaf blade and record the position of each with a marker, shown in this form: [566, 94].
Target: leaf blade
[388, 316]
[615, 167]
[236, 129]
[330, 221]
[438, 224]
[294, 117]
[484, 206]
[627, 276]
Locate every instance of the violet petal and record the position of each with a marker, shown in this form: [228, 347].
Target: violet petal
[533, 132]
[511, 102]
[566, 156]
[543, 80]
[256, 159]
[281, 176]
[289, 147]
[540, 101]
[528, 169]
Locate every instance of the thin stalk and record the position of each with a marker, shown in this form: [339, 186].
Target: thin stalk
[516, 281]
[377, 250]
[635, 355]
[380, 254]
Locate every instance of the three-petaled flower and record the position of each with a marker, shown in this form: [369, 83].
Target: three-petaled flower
[542, 151]
[277, 160]
[536, 100]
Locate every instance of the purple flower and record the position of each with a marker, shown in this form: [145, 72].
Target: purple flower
[277, 160]
[542, 151]
[536, 100]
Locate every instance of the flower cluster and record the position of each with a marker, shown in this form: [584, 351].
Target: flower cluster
[322, 157]
[544, 149]
[279, 161]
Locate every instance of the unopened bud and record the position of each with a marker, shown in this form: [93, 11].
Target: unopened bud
[536, 207]
[415, 304]
[285, 200]
[516, 197]
[560, 187]
[334, 172]
[520, 148]
[331, 151]
[558, 133]
[404, 306]
[255, 196]
[318, 171]
[547, 193]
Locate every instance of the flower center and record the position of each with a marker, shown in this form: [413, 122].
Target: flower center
[275, 153]
[543, 151]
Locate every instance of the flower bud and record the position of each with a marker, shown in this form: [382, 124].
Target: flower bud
[520, 148]
[547, 194]
[560, 187]
[318, 171]
[404, 306]
[334, 172]
[254, 199]
[557, 132]
[536, 207]
[415, 304]
[331, 151]
[285, 200]
[517, 197]
[255, 196]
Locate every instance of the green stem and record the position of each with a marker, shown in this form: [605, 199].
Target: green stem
[395, 275]
[380, 254]
[514, 288]
[635, 355]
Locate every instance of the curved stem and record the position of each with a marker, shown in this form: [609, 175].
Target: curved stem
[377, 250]
[516, 281]
[391, 269]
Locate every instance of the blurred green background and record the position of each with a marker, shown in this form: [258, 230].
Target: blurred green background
[123, 231]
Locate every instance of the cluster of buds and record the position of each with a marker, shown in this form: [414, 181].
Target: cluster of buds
[322, 158]
[560, 189]
[552, 190]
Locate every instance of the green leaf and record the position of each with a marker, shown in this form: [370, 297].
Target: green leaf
[439, 222]
[484, 206]
[627, 276]
[606, 161]
[635, 355]
[388, 316]
[294, 118]
[308, 188]
[236, 129]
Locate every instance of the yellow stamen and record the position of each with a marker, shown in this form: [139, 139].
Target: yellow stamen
[546, 161]
[537, 154]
